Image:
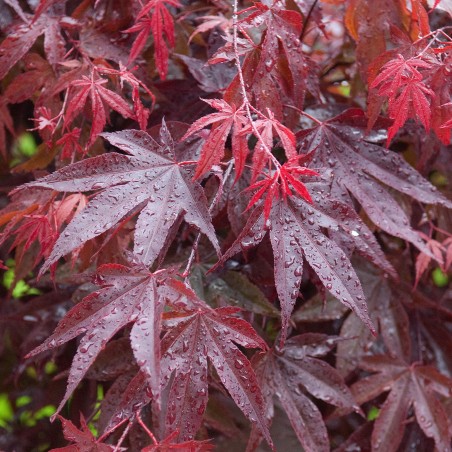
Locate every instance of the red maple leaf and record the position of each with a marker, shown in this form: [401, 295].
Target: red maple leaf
[361, 168]
[154, 17]
[295, 236]
[208, 334]
[408, 95]
[276, 71]
[283, 372]
[83, 439]
[126, 76]
[93, 87]
[413, 386]
[127, 294]
[229, 119]
[265, 128]
[70, 144]
[35, 228]
[22, 37]
[277, 185]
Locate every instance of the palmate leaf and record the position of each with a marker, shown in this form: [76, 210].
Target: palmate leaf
[360, 168]
[93, 88]
[228, 119]
[83, 439]
[210, 335]
[39, 76]
[20, 40]
[288, 373]
[295, 229]
[149, 178]
[125, 397]
[154, 17]
[127, 295]
[408, 95]
[386, 311]
[411, 386]
[278, 61]
[369, 22]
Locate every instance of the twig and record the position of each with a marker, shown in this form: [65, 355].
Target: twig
[246, 102]
[303, 113]
[111, 430]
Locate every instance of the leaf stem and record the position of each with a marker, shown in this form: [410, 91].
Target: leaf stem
[111, 430]
[304, 113]
[145, 428]
[123, 437]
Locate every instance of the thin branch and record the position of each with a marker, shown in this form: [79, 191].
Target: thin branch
[111, 430]
[246, 102]
[301, 112]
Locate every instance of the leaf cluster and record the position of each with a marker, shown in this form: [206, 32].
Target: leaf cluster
[225, 225]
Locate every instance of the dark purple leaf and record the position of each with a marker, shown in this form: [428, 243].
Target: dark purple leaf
[210, 334]
[356, 164]
[149, 176]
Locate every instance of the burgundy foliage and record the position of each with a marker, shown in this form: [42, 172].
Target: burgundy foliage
[235, 230]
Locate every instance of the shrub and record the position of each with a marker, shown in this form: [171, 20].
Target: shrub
[227, 225]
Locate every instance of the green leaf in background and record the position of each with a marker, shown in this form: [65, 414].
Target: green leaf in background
[21, 289]
[6, 411]
[26, 144]
[373, 413]
[440, 279]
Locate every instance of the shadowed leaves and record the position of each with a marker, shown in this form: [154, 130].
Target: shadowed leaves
[410, 386]
[290, 373]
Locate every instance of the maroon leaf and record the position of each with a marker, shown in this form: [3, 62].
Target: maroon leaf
[277, 62]
[98, 94]
[211, 77]
[408, 96]
[386, 311]
[128, 295]
[154, 17]
[285, 372]
[229, 118]
[186, 348]
[293, 239]
[126, 396]
[83, 439]
[148, 178]
[17, 44]
[411, 386]
[22, 37]
[339, 144]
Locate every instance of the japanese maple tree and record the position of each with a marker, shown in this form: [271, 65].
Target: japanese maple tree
[225, 224]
